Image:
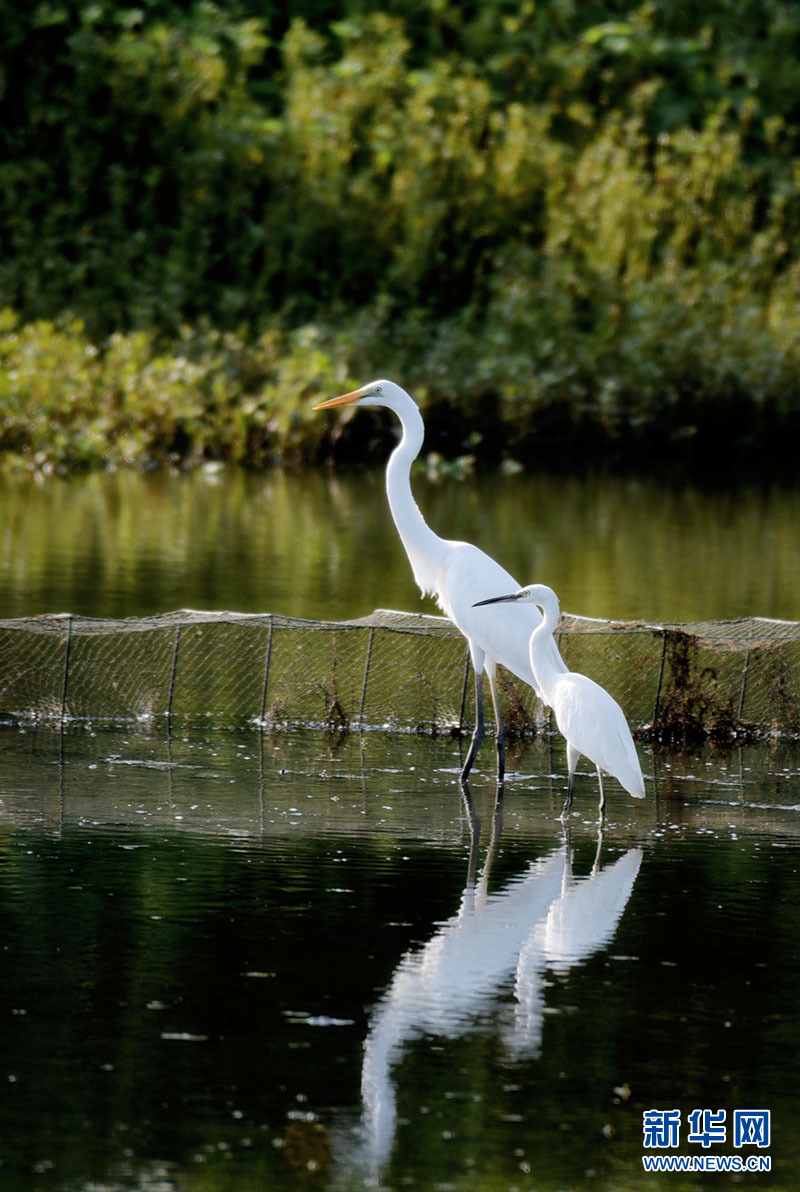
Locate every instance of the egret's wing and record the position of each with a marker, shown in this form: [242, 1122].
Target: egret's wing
[503, 631]
[595, 725]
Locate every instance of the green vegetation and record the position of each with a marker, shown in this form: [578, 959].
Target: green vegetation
[558, 223]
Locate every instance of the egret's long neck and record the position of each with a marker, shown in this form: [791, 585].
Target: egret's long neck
[423, 547]
[544, 670]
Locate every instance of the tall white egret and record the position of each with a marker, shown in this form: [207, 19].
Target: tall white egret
[457, 574]
[589, 718]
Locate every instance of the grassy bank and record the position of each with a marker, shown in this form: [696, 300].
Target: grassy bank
[569, 229]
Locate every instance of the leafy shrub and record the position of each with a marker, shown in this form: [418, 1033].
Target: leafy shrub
[211, 395]
[559, 220]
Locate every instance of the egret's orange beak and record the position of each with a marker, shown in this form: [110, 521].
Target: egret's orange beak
[346, 399]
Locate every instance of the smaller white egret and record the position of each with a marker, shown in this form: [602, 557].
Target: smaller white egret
[590, 719]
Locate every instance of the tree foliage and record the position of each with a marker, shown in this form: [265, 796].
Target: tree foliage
[585, 214]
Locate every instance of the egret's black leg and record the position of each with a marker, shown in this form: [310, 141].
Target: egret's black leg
[501, 727]
[477, 735]
[568, 800]
[573, 757]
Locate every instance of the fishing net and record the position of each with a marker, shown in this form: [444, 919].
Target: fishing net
[391, 670]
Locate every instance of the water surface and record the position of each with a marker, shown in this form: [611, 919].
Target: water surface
[310, 961]
[242, 961]
[322, 545]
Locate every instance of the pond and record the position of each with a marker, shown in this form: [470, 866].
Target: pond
[322, 545]
[312, 961]
[236, 960]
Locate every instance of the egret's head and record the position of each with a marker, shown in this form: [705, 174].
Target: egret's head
[376, 393]
[532, 594]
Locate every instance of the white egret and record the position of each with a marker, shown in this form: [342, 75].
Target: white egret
[457, 574]
[591, 720]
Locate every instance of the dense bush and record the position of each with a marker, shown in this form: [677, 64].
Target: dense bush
[212, 395]
[566, 219]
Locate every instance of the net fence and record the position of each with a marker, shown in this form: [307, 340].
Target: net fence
[390, 670]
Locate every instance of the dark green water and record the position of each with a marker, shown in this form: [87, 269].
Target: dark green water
[243, 962]
[237, 962]
[323, 546]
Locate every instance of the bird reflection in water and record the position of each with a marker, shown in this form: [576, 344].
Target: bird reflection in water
[544, 919]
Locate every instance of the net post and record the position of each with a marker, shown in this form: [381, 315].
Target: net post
[65, 680]
[745, 669]
[660, 674]
[175, 650]
[367, 662]
[267, 660]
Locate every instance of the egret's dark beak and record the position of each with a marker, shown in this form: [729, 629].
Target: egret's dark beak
[498, 600]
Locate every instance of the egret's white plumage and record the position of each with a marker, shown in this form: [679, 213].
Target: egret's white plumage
[456, 574]
[590, 719]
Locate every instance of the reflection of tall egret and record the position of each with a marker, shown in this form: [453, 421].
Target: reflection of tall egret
[460, 974]
[455, 573]
[589, 718]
